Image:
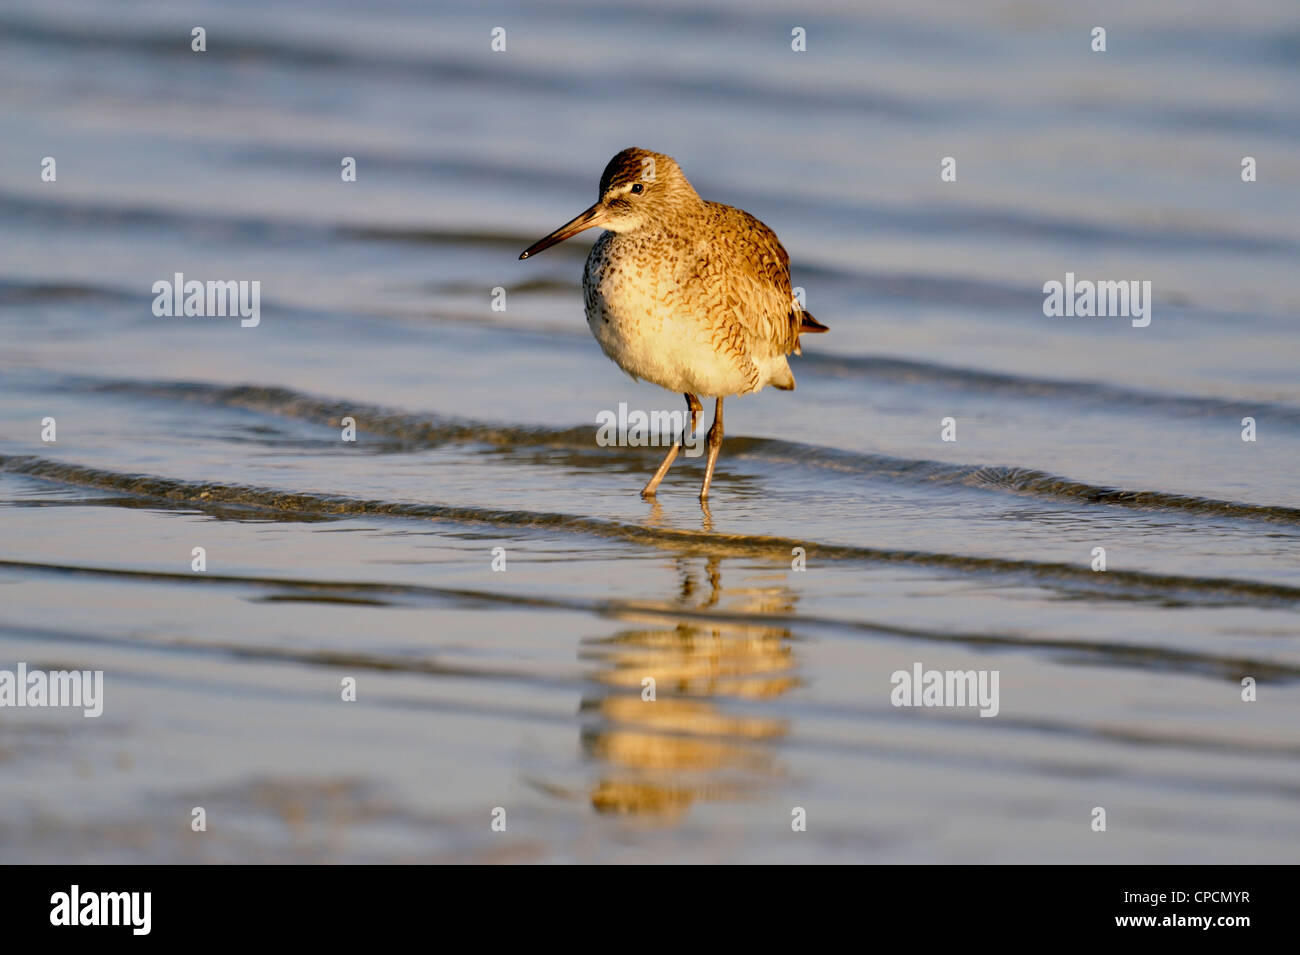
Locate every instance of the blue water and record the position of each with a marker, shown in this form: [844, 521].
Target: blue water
[521, 688]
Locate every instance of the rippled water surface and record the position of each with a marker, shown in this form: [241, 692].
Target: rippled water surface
[521, 688]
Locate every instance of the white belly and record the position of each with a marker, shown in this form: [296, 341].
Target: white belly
[644, 322]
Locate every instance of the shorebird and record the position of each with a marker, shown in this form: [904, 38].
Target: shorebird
[691, 295]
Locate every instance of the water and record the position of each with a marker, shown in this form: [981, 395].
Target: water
[521, 689]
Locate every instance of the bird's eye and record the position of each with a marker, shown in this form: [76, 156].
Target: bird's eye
[637, 187]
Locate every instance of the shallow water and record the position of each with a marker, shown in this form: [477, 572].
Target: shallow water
[476, 430]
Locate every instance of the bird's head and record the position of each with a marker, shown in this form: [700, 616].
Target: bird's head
[637, 189]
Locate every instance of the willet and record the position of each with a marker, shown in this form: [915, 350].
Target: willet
[691, 295]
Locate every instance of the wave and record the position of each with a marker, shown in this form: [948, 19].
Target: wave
[213, 497]
[372, 593]
[907, 371]
[443, 70]
[18, 292]
[893, 286]
[405, 431]
[913, 217]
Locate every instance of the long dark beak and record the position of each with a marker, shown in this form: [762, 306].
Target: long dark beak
[588, 220]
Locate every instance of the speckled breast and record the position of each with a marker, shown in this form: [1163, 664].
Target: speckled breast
[643, 319]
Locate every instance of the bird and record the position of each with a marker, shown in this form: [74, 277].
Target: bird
[691, 295]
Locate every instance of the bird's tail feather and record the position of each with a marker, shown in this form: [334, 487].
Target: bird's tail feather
[810, 324]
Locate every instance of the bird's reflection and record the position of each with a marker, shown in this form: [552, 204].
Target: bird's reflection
[655, 516]
[697, 739]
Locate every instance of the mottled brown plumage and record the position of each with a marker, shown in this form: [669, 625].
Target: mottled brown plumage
[692, 295]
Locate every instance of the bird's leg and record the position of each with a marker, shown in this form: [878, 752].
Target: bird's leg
[694, 406]
[715, 445]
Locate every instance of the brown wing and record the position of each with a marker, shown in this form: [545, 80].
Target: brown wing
[747, 272]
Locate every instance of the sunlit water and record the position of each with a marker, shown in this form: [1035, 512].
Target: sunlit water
[476, 430]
